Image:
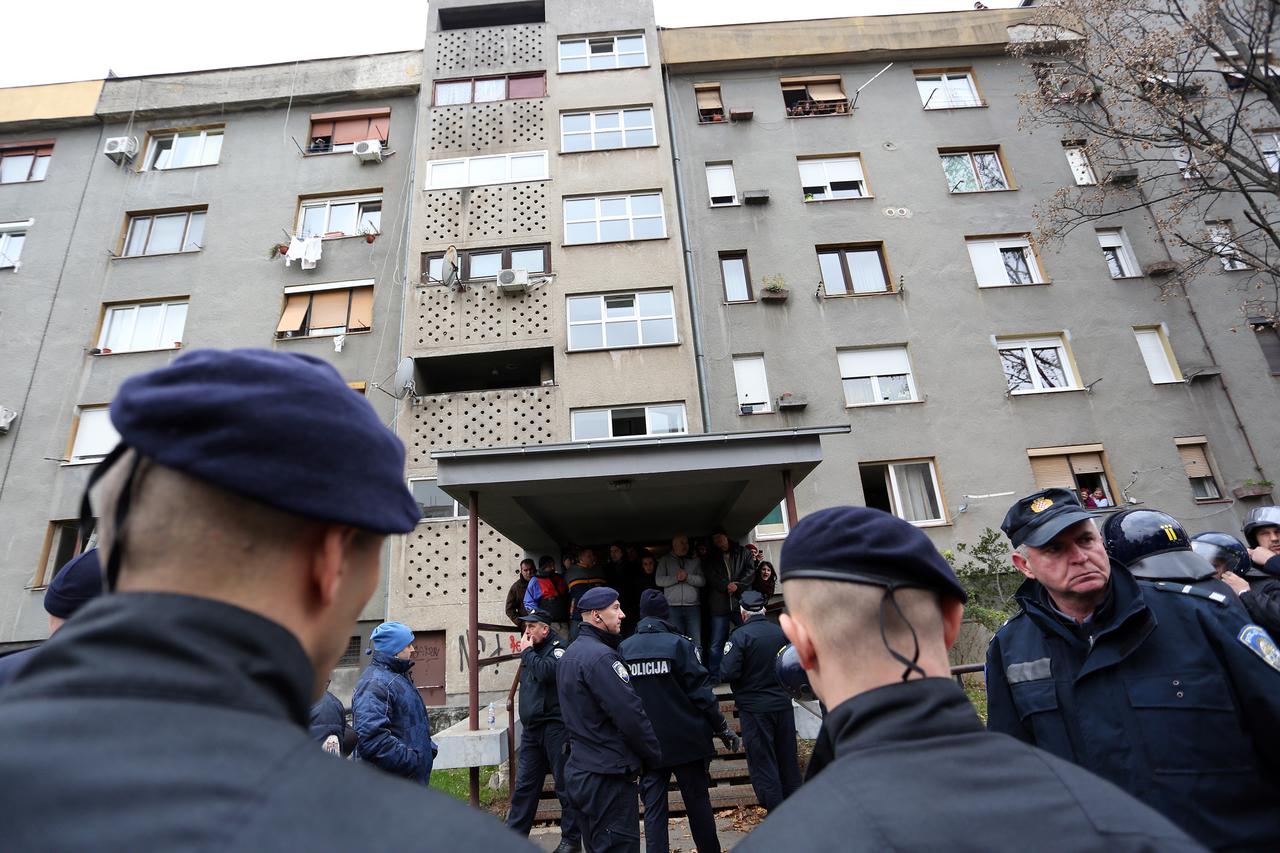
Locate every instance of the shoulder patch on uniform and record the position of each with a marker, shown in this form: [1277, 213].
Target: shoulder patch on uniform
[622, 672]
[557, 652]
[728, 646]
[1257, 639]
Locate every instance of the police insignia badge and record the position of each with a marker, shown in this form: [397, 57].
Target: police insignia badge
[558, 653]
[1041, 504]
[697, 653]
[728, 646]
[622, 672]
[1257, 639]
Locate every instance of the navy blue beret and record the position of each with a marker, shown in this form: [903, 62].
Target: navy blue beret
[862, 545]
[752, 601]
[597, 598]
[279, 428]
[75, 584]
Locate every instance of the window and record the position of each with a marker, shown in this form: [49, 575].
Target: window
[1225, 246]
[94, 436]
[774, 525]
[435, 504]
[1269, 145]
[604, 129]
[853, 270]
[1157, 354]
[1268, 336]
[24, 162]
[1080, 468]
[613, 218]
[165, 233]
[973, 171]
[351, 655]
[602, 53]
[753, 388]
[183, 148]
[12, 236]
[490, 169]
[513, 87]
[613, 320]
[1194, 452]
[1081, 168]
[720, 185]
[340, 216]
[665, 419]
[710, 105]
[876, 375]
[1003, 261]
[326, 309]
[341, 131]
[476, 264]
[1119, 256]
[832, 178]
[61, 544]
[1034, 365]
[1188, 163]
[907, 489]
[948, 90]
[736, 276]
[813, 96]
[143, 326]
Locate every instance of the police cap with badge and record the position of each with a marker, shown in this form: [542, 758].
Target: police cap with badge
[537, 614]
[1037, 518]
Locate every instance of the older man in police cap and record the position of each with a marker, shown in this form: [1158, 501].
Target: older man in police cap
[242, 522]
[903, 762]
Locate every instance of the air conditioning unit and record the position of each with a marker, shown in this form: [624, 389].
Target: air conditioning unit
[368, 151]
[513, 281]
[121, 149]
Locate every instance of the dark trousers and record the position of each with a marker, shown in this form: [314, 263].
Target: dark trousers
[693, 781]
[715, 649]
[542, 750]
[608, 807]
[770, 740]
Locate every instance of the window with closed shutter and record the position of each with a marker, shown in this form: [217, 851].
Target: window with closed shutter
[720, 184]
[1193, 451]
[1080, 468]
[753, 388]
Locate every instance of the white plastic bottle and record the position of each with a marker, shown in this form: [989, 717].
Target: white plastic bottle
[493, 717]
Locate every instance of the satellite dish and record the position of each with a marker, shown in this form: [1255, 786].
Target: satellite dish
[450, 272]
[404, 379]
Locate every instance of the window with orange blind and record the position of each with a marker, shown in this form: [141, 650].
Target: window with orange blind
[318, 311]
[340, 131]
[1194, 453]
[1081, 468]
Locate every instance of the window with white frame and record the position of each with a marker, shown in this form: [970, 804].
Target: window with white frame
[1225, 246]
[603, 52]
[1081, 168]
[95, 436]
[628, 421]
[774, 525]
[143, 326]
[486, 170]
[1003, 261]
[22, 162]
[1035, 365]
[615, 320]
[874, 376]
[1269, 145]
[907, 489]
[1194, 453]
[1081, 468]
[736, 275]
[600, 130]
[613, 218]
[1188, 163]
[720, 185]
[974, 171]
[487, 89]
[164, 233]
[853, 270]
[12, 236]
[826, 178]
[948, 90]
[434, 503]
[180, 149]
[340, 216]
[317, 310]
[1119, 255]
[1157, 354]
[753, 387]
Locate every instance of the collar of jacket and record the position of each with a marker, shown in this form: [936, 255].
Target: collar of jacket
[592, 632]
[180, 647]
[548, 642]
[655, 625]
[389, 661]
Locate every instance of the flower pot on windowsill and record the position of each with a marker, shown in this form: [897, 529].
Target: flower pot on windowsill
[1253, 490]
[774, 295]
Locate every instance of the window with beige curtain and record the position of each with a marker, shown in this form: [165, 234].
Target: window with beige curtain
[326, 312]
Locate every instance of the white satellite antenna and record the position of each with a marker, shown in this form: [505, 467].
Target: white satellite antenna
[404, 379]
[450, 271]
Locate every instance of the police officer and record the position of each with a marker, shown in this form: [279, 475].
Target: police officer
[75, 584]
[1262, 533]
[1156, 686]
[1259, 592]
[1153, 546]
[542, 731]
[676, 692]
[764, 708]
[871, 610]
[611, 740]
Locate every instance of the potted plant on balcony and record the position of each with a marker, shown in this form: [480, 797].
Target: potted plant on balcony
[1253, 489]
[775, 289]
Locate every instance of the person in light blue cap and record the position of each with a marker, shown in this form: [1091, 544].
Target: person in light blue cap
[393, 731]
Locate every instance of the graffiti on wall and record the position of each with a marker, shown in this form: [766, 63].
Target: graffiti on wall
[487, 649]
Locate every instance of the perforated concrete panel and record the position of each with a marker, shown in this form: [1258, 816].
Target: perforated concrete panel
[505, 418]
[479, 315]
[436, 563]
[463, 52]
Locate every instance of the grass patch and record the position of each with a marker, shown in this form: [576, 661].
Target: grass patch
[977, 693]
[456, 783]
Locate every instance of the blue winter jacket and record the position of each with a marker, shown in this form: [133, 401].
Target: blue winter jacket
[392, 728]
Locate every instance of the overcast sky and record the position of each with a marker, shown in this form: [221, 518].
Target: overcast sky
[57, 40]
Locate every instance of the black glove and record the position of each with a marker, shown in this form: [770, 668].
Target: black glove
[729, 739]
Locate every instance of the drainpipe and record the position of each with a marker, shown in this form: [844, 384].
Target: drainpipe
[699, 357]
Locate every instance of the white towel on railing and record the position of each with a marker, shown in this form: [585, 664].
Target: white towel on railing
[303, 249]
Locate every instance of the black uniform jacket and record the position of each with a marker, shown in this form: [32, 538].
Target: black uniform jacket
[675, 689]
[608, 729]
[748, 666]
[539, 699]
[166, 722]
[913, 769]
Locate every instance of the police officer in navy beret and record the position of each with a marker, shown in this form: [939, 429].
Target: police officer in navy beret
[74, 585]
[764, 706]
[611, 740]
[676, 692]
[242, 520]
[1163, 687]
[902, 761]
